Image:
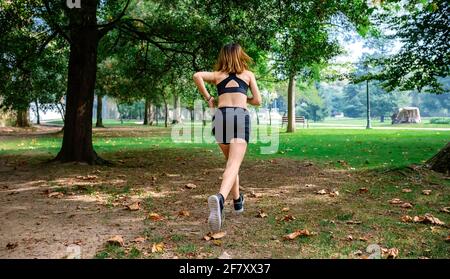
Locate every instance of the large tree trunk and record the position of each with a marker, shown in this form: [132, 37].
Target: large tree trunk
[38, 116]
[99, 123]
[166, 112]
[151, 114]
[441, 161]
[382, 119]
[22, 118]
[84, 38]
[291, 105]
[146, 109]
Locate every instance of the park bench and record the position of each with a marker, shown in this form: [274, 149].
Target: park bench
[298, 119]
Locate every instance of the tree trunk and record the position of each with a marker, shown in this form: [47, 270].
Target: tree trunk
[151, 114]
[22, 118]
[257, 116]
[291, 105]
[157, 115]
[270, 115]
[77, 140]
[176, 110]
[146, 109]
[441, 161]
[192, 116]
[38, 116]
[99, 123]
[382, 119]
[166, 113]
[203, 115]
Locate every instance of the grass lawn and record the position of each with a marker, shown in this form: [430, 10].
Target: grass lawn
[359, 171]
[375, 122]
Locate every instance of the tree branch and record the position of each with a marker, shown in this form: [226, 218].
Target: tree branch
[53, 24]
[105, 28]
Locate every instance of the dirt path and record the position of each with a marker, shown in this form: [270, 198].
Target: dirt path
[92, 206]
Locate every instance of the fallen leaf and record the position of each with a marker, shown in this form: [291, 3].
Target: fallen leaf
[116, 240]
[406, 190]
[334, 194]
[363, 190]
[406, 205]
[190, 186]
[155, 217]
[158, 247]
[392, 253]
[288, 218]
[349, 237]
[296, 234]
[207, 237]
[285, 209]
[134, 206]
[395, 201]
[432, 220]
[261, 214]
[426, 219]
[445, 209]
[184, 213]
[365, 239]
[254, 195]
[407, 219]
[11, 245]
[358, 253]
[139, 239]
[172, 175]
[217, 242]
[309, 185]
[56, 195]
[224, 256]
[218, 235]
[353, 222]
[321, 192]
[426, 192]
[448, 238]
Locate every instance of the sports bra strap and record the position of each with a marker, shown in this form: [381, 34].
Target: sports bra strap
[242, 88]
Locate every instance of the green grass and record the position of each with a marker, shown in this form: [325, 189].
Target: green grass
[427, 122]
[360, 149]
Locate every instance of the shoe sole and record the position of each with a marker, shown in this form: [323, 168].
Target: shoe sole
[215, 218]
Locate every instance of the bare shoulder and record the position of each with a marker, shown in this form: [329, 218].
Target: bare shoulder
[249, 73]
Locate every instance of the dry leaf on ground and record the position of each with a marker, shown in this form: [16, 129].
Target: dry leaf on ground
[321, 192]
[116, 240]
[155, 217]
[426, 192]
[190, 186]
[184, 213]
[296, 234]
[134, 206]
[158, 247]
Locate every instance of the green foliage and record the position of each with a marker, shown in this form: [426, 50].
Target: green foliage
[424, 56]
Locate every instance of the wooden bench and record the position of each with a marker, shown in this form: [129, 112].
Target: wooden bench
[298, 119]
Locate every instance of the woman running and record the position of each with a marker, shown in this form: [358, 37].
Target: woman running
[231, 122]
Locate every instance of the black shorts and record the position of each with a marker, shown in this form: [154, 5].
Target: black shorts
[230, 123]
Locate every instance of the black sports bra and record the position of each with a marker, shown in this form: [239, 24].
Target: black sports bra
[242, 88]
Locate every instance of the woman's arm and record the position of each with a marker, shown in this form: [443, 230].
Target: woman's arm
[200, 78]
[255, 100]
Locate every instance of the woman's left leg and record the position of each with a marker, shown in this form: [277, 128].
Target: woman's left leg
[235, 189]
[235, 156]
